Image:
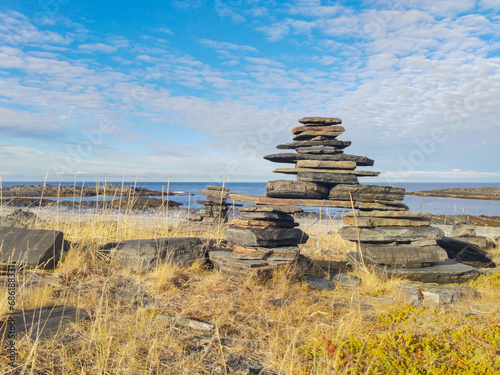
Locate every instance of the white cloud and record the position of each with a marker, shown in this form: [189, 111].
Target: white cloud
[98, 47]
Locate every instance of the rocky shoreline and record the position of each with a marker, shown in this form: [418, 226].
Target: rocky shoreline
[485, 193]
[77, 191]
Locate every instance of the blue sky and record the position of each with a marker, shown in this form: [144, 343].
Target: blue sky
[200, 90]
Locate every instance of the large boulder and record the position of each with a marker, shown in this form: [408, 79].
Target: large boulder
[31, 247]
[144, 255]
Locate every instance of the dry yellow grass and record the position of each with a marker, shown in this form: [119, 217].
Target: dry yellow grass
[281, 324]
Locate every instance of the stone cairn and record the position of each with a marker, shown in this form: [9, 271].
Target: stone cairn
[388, 234]
[215, 207]
[265, 238]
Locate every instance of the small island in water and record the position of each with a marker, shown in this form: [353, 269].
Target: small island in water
[488, 193]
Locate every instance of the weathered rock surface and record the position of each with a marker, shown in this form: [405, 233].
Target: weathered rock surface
[465, 252]
[144, 255]
[370, 222]
[223, 262]
[366, 193]
[268, 237]
[325, 164]
[252, 223]
[267, 216]
[295, 189]
[319, 283]
[387, 206]
[445, 272]
[391, 234]
[327, 150]
[293, 158]
[330, 143]
[31, 247]
[482, 242]
[44, 322]
[346, 280]
[437, 294]
[403, 255]
[330, 178]
[271, 208]
[313, 135]
[320, 120]
[325, 171]
[463, 232]
[386, 214]
[320, 128]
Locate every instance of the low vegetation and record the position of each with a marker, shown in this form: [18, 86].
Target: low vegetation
[277, 326]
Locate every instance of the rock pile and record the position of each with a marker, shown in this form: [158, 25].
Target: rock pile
[265, 238]
[395, 239]
[215, 207]
[326, 176]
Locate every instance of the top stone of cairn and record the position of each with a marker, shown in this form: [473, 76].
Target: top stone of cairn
[321, 120]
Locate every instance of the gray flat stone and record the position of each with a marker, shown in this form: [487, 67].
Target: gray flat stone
[319, 283]
[289, 157]
[346, 280]
[266, 216]
[465, 252]
[44, 322]
[31, 247]
[271, 208]
[445, 272]
[320, 120]
[295, 189]
[391, 234]
[267, 237]
[144, 255]
[402, 255]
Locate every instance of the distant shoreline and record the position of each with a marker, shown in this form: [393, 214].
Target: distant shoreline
[484, 193]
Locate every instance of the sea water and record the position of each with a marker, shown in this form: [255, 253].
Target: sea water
[187, 193]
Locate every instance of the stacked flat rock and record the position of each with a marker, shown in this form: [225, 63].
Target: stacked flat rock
[403, 244]
[264, 238]
[215, 207]
[326, 176]
[396, 239]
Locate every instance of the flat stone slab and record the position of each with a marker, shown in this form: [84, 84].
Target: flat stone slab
[346, 280]
[370, 222]
[266, 237]
[44, 322]
[437, 294]
[293, 158]
[387, 214]
[321, 120]
[314, 135]
[465, 252]
[325, 164]
[267, 216]
[366, 192]
[445, 272]
[390, 234]
[31, 247]
[252, 223]
[312, 150]
[296, 189]
[144, 255]
[320, 171]
[329, 178]
[288, 253]
[403, 255]
[217, 188]
[223, 262]
[271, 208]
[388, 206]
[318, 283]
[335, 129]
[331, 143]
